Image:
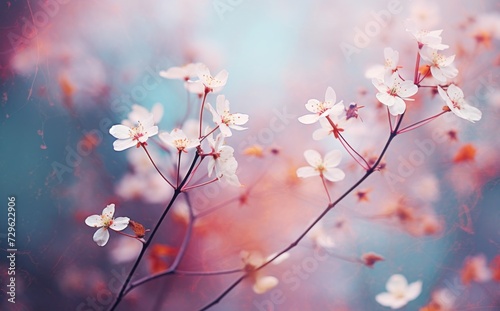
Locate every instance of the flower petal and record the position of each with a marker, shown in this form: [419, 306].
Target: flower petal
[94, 221]
[309, 118]
[109, 211]
[265, 283]
[330, 96]
[414, 290]
[385, 299]
[396, 283]
[122, 144]
[120, 131]
[334, 174]
[101, 236]
[306, 171]
[120, 223]
[332, 158]
[313, 157]
[313, 105]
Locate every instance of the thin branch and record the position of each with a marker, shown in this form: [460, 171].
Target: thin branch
[202, 108]
[330, 206]
[156, 167]
[326, 189]
[421, 123]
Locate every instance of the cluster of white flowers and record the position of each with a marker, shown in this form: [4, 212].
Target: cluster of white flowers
[394, 91]
[142, 125]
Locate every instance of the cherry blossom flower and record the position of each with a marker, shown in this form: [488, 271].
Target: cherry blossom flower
[221, 160]
[133, 136]
[322, 167]
[431, 39]
[322, 109]
[320, 237]
[179, 140]
[140, 113]
[391, 59]
[182, 73]
[475, 269]
[399, 292]
[440, 65]
[253, 260]
[208, 80]
[454, 98]
[226, 120]
[486, 28]
[393, 92]
[105, 222]
[339, 122]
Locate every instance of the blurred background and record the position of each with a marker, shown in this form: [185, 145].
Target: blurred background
[70, 69]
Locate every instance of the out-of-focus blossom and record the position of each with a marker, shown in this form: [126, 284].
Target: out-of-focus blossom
[322, 109]
[399, 292]
[486, 28]
[379, 72]
[441, 66]
[208, 80]
[441, 300]
[140, 113]
[182, 73]
[425, 14]
[104, 222]
[475, 269]
[326, 167]
[454, 98]
[393, 92]
[252, 260]
[133, 136]
[426, 187]
[431, 39]
[320, 238]
[226, 120]
[179, 140]
[125, 250]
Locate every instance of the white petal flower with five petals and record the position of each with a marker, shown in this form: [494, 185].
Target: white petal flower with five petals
[208, 80]
[226, 120]
[133, 136]
[454, 98]
[431, 39]
[326, 167]
[441, 66]
[399, 292]
[104, 222]
[394, 91]
[322, 109]
[179, 140]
